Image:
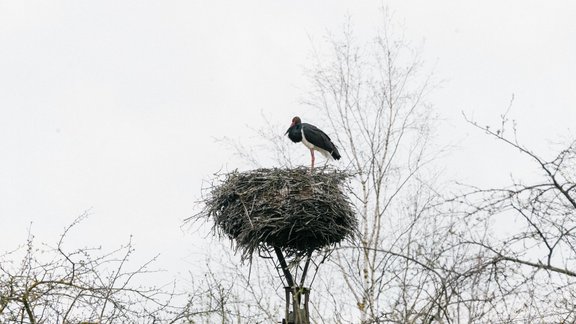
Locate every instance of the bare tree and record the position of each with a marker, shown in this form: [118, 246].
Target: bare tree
[373, 96]
[235, 292]
[55, 284]
[537, 254]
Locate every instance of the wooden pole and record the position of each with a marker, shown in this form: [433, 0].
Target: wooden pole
[308, 257]
[284, 266]
[287, 310]
[301, 315]
[298, 315]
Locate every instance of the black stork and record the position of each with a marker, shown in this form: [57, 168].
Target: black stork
[313, 138]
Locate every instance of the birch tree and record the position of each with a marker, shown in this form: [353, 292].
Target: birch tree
[374, 98]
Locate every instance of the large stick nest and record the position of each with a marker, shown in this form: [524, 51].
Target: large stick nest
[290, 209]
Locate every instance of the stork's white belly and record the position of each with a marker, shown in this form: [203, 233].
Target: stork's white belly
[306, 143]
[314, 147]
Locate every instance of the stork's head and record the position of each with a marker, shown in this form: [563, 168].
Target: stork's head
[295, 121]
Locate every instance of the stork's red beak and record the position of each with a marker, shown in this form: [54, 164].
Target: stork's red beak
[289, 128]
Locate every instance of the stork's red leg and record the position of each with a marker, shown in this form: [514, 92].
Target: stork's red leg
[312, 155]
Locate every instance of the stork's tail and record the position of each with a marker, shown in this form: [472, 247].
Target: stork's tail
[335, 154]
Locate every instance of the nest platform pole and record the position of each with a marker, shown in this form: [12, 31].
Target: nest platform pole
[284, 265]
[297, 313]
[294, 312]
[301, 315]
[308, 258]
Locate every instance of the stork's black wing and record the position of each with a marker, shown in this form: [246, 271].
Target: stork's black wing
[317, 137]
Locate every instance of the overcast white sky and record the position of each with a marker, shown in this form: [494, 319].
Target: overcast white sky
[113, 106]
